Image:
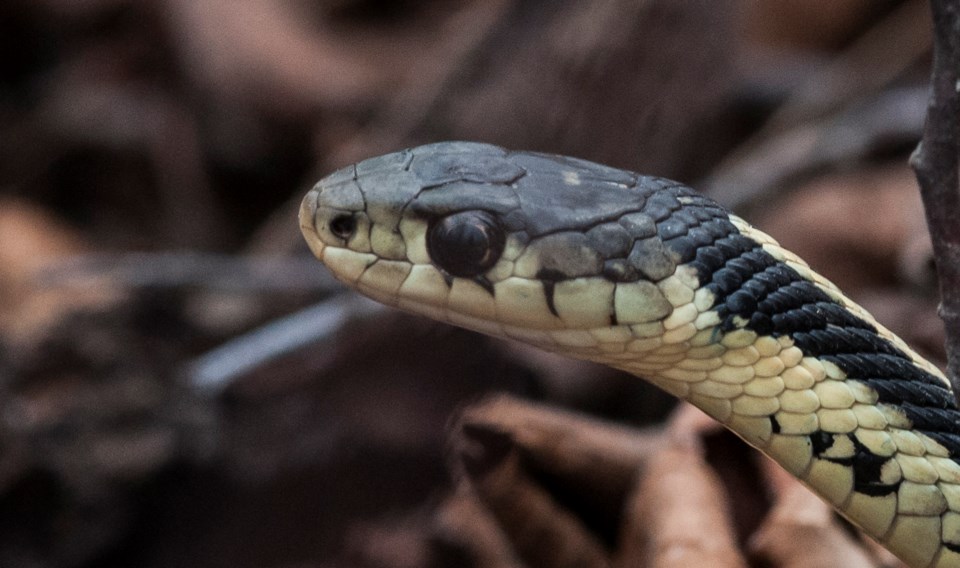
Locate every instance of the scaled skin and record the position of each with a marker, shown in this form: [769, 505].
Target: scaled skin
[647, 276]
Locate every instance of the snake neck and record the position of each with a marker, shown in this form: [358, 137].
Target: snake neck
[645, 275]
[824, 390]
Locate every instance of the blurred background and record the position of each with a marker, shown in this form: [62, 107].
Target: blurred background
[181, 384]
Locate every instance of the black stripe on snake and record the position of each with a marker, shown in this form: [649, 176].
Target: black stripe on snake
[646, 275]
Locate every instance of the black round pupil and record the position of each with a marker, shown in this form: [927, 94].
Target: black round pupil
[343, 226]
[473, 241]
[465, 244]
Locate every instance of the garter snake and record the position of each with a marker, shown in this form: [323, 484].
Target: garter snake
[643, 274]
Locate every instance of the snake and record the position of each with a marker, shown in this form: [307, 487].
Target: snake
[646, 275]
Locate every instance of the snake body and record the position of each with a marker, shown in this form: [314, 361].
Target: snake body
[646, 275]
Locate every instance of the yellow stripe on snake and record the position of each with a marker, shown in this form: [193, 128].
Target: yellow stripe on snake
[646, 275]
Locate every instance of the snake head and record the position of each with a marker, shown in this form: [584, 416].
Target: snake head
[536, 247]
[645, 275]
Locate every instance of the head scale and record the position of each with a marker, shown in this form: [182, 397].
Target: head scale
[531, 246]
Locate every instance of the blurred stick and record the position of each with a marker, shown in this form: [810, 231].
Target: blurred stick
[802, 531]
[217, 369]
[874, 60]
[935, 163]
[839, 111]
[542, 532]
[679, 516]
[182, 269]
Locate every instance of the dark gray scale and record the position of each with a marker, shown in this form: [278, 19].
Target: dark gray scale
[676, 225]
[673, 225]
[610, 240]
[895, 390]
[757, 288]
[938, 423]
[661, 206]
[847, 340]
[629, 244]
[549, 164]
[534, 194]
[638, 225]
[713, 230]
[620, 270]
[711, 261]
[686, 222]
[488, 167]
[707, 261]
[463, 196]
[545, 210]
[806, 307]
[876, 365]
[651, 259]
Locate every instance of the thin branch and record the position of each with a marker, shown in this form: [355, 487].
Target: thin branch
[847, 136]
[214, 371]
[935, 163]
[680, 515]
[833, 114]
[174, 269]
[543, 533]
[872, 62]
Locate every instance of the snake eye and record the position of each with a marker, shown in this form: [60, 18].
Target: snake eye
[465, 244]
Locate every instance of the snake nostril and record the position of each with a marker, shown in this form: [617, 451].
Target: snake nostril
[343, 226]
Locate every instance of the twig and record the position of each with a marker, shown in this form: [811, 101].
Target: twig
[679, 515]
[214, 371]
[462, 525]
[871, 62]
[802, 531]
[935, 163]
[848, 135]
[834, 115]
[210, 271]
[588, 452]
[542, 532]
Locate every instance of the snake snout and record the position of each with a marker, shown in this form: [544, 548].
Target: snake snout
[308, 212]
[331, 212]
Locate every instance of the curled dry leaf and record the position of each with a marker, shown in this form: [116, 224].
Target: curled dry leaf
[463, 527]
[528, 483]
[542, 533]
[33, 240]
[679, 516]
[801, 531]
[586, 451]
